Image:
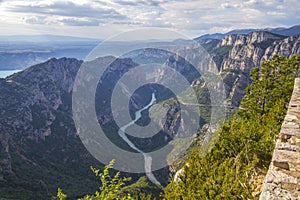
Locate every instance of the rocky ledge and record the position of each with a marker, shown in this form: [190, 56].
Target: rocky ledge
[283, 178]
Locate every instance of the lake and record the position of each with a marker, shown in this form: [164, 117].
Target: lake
[5, 73]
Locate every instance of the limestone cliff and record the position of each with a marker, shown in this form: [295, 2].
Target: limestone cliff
[236, 55]
[37, 133]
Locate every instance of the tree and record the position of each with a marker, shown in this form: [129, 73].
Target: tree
[271, 82]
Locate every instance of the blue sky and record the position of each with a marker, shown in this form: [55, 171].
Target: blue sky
[104, 18]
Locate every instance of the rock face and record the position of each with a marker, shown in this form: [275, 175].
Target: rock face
[38, 140]
[283, 177]
[39, 147]
[37, 133]
[30, 101]
[236, 55]
[247, 50]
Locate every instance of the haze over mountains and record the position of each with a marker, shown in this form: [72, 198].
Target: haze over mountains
[21, 51]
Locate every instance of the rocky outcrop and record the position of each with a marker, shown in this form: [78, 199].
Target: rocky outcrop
[37, 133]
[251, 38]
[29, 104]
[247, 50]
[283, 178]
[237, 55]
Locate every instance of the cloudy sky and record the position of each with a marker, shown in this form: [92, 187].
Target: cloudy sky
[104, 18]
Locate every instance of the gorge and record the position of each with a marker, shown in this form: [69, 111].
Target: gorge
[39, 147]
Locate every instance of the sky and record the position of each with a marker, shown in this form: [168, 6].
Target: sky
[104, 18]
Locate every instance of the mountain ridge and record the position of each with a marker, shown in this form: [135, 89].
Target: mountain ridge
[289, 31]
[235, 55]
[37, 133]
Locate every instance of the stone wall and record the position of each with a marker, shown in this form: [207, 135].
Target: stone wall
[283, 177]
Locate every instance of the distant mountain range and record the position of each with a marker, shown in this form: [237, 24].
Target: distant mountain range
[18, 52]
[21, 51]
[291, 31]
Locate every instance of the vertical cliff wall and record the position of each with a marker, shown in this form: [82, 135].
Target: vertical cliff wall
[283, 177]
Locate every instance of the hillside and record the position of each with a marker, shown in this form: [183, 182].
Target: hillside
[235, 167]
[40, 148]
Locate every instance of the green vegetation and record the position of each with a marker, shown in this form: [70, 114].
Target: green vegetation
[113, 187]
[143, 189]
[264, 44]
[231, 169]
[210, 44]
[44, 165]
[220, 53]
[234, 168]
[69, 169]
[237, 164]
[110, 186]
[223, 51]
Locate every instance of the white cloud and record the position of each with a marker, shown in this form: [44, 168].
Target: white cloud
[66, 8]
[187, 16]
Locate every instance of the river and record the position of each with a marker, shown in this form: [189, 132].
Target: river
[147, 157]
